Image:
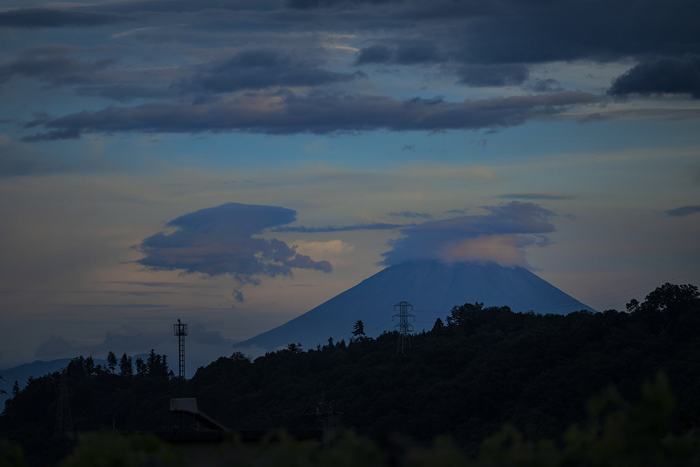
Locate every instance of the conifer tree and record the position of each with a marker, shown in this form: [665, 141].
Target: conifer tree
[111, 361]
[126, 367]
[359, 330]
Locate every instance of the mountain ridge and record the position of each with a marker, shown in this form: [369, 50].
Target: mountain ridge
[431, 287]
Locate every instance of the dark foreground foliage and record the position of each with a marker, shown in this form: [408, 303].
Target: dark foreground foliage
[615, 434]
[484, 368]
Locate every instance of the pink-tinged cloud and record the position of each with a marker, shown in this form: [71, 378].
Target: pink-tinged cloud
[496, 237]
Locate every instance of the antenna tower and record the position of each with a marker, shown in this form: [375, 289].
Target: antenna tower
[64, 421]
[181, 332]
[404, 327]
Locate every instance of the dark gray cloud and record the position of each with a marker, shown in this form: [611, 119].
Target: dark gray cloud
[476, 75]
[513, 31]
[58, 68]
[219, 240]
[307, 4]
[318, 114]
[238, 296]
[533, 196]
[492, 75]
[50, 18]
[666, 75]
[344, 228]
[415, 52]
[259, 69]
[494, 42]
[185, 6]
[374, 54]
[683, 211]
[124, 92]
[411, 215]
[444, 239]
[407, 53]
[544, 85]
[248, 69]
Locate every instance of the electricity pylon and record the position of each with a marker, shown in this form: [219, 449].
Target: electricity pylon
[64, 421]
[181, 332]
[404, 327]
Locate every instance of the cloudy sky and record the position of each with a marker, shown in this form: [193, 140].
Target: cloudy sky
[235, 163]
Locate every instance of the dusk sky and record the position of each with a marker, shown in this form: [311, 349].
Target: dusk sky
[235, 163]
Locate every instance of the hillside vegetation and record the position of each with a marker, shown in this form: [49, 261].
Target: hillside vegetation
[467, 377]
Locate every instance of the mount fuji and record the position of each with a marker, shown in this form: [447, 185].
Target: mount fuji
[432, 287]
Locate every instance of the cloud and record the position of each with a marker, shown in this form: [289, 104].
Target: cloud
[219, 240]
[544, 85]
[492, 75]
[471, 74]
[259, 69]
[344, 228]
[238, 296]
[130, 340]
[123, 92]
[497, 236]
[331, 247]
[502, 249]
[374, 54]
[683, 211]
[54, 345]
[318, 114]
[53, 18]
[533, 196]
[197, 333]
[184, 6]
[57, 68]
[493, 43]
[306, 4]
[416, 52]
[490, 32]
[411, 215]
[17, 159]
[665, 75]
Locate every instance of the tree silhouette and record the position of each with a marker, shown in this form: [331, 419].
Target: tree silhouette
[111, 361]
[359, 329]
[126, 367]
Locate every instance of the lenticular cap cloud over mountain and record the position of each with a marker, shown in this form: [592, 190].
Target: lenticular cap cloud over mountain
[498, 236]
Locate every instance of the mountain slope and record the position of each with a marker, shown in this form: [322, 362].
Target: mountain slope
[433, 288]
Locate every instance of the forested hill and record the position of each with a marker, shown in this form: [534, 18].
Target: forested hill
[466, 377]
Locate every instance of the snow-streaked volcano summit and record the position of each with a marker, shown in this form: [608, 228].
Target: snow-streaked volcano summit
[432, 287]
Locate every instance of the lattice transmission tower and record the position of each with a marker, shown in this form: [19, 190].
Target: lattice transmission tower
[181, 332]
[404, 327]
[64, 421]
